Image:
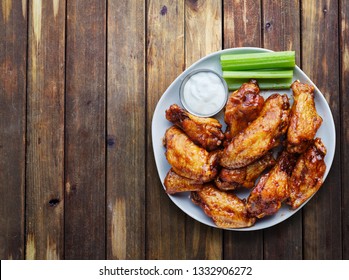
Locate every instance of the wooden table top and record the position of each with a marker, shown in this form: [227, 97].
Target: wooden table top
[79, 81]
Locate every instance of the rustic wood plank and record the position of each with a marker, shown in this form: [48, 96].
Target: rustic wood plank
[45, 131]
[320, 58]
[202, 242]
[344, 37]
[165, 227]
[281, 21]
[85, 130]
[126, 130]
[13, 59]
[242, 23]
[242, 28]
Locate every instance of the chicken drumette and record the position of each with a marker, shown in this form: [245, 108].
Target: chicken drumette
[231, 179]
[243, 106]
[205, 132]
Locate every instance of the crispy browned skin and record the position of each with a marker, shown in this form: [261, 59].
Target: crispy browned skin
[304, 120]
[205, 132]
[272, 188]
[188, 159]
[243, 106]
[307, 176]
[230, 179]
[175, 183]
[225, 208]
[260, 136]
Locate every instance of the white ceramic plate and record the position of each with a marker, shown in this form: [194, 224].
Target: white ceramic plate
[159, 125]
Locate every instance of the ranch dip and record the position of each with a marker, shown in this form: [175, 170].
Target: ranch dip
[204, 93]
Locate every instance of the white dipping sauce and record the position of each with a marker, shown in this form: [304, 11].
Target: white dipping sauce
[204, 93]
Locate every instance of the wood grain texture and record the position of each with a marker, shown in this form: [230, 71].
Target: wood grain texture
[45, 131]
[165, 222]
[344, 40]
[126, 130]
[281, 21]
[85, 130]
[13, 59]
[203, 35]
[242, 28]
[242, 23]
[322, 215]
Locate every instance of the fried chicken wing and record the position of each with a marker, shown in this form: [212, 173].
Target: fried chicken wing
[243, 106]
[187, 159]
[231, 179]
[307, 176]
[175, 183]
[260, 136]
[304, 120]
[272, 188]
[225, 208]
[205, 132]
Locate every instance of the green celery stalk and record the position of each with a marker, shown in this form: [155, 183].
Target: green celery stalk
[250, 61]
[262, 74]
[234, 84]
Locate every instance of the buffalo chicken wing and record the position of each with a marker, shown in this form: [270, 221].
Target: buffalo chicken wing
[205, 132]
[307, 176]
[272, 188]
[260, 136]
[304, 120]
[225, 208]
[187, 159]
[231, 179]
[243, 106]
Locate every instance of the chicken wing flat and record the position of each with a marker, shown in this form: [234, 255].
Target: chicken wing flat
[272, 188]
[225, 208]
[187, 159]
[304, 120]
[205, 132]
[260, 136]
[231, 179]
[243, 106]
[175, 183]
[307, 176]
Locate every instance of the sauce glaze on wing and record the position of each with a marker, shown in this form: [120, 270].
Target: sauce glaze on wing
[205, 132]
[243, 106]
[307, 176]
[225, 208]
[260, 136]
[187, 159]
[304, 119]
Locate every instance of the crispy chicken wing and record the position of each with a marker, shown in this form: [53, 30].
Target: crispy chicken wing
[272, 188]
[307, 176]
[231, 179]
[205, 132]
[187, 159]
[243, 106]
[260, 136]
[304, 120]
[225, 208]
[175, 183]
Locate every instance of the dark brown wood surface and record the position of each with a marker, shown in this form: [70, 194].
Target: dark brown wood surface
[45, 131]
[13, 76]
[79, 82]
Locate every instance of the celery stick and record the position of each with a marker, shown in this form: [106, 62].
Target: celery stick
[234, 84]
[249, 61]
[262, 74]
